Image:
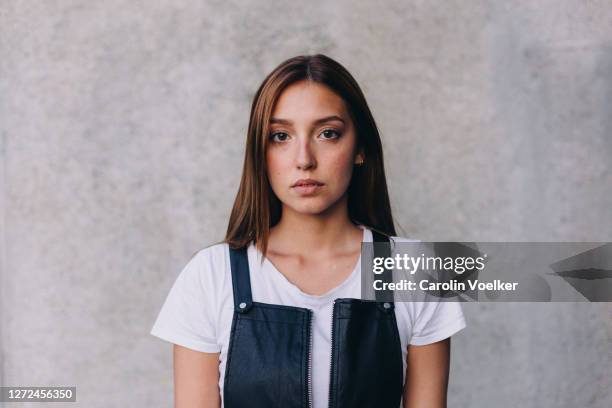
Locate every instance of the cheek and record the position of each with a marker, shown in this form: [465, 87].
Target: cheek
[277, 165]
[342, 163]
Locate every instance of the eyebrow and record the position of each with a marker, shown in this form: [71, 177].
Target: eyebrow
[316, 122]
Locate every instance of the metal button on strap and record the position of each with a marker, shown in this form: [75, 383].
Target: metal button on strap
[242, 305]
[386, 305]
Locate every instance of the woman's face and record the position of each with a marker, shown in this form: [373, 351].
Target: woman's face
[311, 148]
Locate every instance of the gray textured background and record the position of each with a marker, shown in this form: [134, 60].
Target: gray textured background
[122, 128]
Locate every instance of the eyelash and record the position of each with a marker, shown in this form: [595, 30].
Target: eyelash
[336, 131]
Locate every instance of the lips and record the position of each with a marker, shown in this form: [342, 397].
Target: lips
[307, 183]
[307, 187]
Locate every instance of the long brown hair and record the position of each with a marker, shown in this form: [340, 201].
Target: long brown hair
[256, 208]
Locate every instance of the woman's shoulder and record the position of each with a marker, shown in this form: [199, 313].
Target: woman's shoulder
[208, 261]
[211, 252]
[369, 235]
[403, 239]
[207, 271]
[410, 244]
[398, 238]
[214, 257]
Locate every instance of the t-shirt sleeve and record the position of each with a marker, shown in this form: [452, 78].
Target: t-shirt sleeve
[187, 316]
[436, 321]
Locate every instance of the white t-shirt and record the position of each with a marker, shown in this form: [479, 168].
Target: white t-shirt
[198, 311]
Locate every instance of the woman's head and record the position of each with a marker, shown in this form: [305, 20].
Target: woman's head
[309, 120]
[311, 149]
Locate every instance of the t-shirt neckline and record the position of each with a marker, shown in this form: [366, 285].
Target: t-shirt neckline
[282, 279]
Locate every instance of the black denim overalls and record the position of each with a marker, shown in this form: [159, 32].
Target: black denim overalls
[268, 362]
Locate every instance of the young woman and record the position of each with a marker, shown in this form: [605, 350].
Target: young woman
[272, 316]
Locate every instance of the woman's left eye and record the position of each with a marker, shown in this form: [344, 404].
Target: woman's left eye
[330, 134]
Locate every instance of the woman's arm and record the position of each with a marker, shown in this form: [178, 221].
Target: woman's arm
[196, 379]
[427, 375]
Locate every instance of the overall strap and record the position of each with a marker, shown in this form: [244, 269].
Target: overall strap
[383, 249]
[241, 280]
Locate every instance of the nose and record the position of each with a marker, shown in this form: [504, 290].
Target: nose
[305, 156]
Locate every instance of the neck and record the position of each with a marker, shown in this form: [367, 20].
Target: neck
[316, 233]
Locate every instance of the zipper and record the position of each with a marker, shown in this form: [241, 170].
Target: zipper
[333, 355]
[309, 368]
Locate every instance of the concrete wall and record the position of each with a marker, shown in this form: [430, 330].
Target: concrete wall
[122, 127]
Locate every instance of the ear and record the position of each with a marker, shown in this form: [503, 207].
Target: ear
[359, 157]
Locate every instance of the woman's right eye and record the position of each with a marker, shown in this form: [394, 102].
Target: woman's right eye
[279, 137]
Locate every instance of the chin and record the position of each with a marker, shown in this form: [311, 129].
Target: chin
[310, 210]
[313, 208]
